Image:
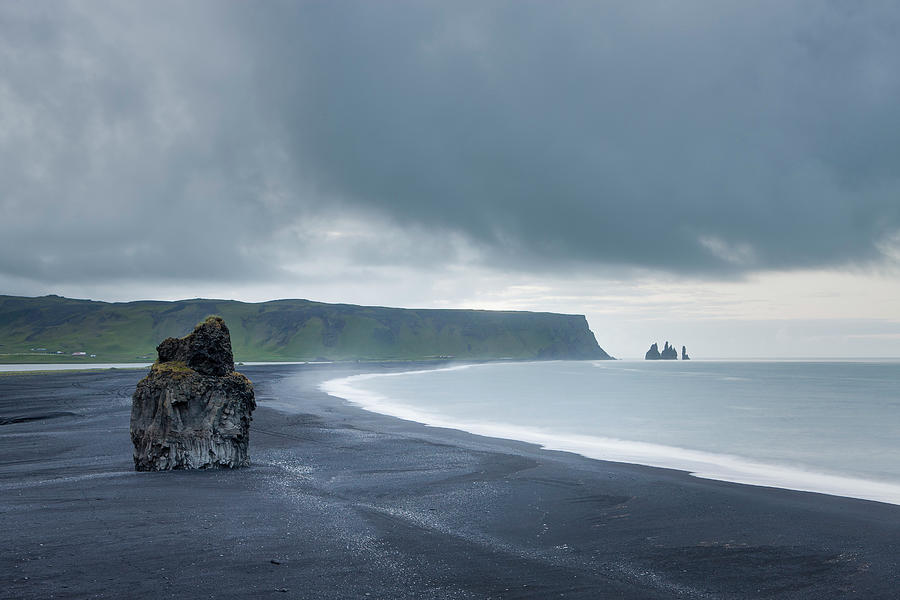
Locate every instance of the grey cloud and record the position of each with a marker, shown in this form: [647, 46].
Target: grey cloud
[709, 138]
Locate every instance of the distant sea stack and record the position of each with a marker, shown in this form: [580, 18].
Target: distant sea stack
[668, 353]
[684, 354]
[193, 411]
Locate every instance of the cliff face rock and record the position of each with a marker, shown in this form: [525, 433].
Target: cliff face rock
[684, 354]
[296, 330]
[206, 350]
[668, 353]
[193, 411]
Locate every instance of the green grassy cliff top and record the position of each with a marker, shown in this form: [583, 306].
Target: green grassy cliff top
[52, 328]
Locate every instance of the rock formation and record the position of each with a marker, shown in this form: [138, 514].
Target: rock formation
[193, 411]
[668, 353]
[684, 354]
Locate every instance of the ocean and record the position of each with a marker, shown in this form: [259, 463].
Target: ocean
[831, 427]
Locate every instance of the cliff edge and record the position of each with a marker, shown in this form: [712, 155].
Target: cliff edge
[54, 329]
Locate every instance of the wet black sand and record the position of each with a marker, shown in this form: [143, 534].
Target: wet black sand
[341, 503]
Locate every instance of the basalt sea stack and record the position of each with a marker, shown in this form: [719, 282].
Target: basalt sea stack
[668, 353]
[652, 353]
[193, 411]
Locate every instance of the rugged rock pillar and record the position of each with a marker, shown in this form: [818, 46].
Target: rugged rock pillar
[193, 411]
[669, 353]
[652, 353]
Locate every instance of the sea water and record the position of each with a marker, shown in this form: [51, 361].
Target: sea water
[830, 427]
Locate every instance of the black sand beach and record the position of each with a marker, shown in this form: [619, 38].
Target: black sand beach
[341, 503]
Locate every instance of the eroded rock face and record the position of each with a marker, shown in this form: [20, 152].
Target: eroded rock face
[206, 350]
[669, 353]
[193, 411]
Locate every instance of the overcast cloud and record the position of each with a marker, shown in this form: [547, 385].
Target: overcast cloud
[650, 164]
[709, 138]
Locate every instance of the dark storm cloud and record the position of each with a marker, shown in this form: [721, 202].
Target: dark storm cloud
[693, 137]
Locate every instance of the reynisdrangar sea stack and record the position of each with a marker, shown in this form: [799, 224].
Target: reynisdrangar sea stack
[193, 411]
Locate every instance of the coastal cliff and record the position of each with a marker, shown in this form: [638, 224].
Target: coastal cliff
[35, 329]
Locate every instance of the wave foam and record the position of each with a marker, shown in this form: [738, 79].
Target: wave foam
[705, 465]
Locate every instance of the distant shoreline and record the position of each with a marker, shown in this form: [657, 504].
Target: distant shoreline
[20, 366]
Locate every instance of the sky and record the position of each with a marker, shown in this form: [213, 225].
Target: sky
[721, 175]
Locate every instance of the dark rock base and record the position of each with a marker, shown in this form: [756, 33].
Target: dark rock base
[181, 419]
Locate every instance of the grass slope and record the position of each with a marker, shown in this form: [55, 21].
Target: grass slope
[284, 330]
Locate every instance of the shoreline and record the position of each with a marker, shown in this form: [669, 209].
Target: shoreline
[696, 463]
[341, 502]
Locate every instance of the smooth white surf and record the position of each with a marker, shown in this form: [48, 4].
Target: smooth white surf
[831, 428]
